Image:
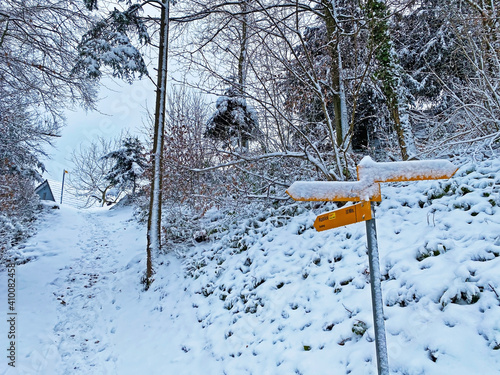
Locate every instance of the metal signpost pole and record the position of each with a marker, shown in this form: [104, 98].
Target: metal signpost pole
[377, 302]
[62, 187]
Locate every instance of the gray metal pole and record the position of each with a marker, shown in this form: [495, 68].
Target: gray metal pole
[377, 302]
[62, 187]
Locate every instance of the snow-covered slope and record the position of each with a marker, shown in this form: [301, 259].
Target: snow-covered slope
[297, 301]
[267, 294]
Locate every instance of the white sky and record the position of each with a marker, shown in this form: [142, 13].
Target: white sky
[122, 107]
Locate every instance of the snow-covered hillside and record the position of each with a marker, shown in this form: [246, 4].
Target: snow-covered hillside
[266, 293]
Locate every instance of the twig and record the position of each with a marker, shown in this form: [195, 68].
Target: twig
[494, 291]
[349, 311]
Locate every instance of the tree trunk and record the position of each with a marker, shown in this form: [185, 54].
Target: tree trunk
[338, 94]
[243, 59]
[154, 219]
[399, 114]
[243, 66]
[389, 73]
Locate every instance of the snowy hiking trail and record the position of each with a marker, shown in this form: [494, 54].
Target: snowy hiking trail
[73, 302]
[86, 314]
[268, 295]
[75, 294]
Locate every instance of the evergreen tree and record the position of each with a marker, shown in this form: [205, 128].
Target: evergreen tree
[233, 122]
[130, 163]
[428, 51]
[109, 44]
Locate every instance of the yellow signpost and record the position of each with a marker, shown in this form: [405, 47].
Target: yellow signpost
[405, 170]
[344, 216]
[367, 190]
[335, 191]
[370, 175]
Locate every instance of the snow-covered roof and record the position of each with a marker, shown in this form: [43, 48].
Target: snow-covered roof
[70, 197]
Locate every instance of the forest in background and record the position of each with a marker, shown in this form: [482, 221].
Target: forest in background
[304, 90]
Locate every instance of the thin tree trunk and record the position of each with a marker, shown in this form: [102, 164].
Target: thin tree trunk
[338, 94]
[399, 114]
[154, 219]
[243, 65]
[243, 59]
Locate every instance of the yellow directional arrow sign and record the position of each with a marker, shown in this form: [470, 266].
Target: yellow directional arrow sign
[335, 191]
[405, 170]
[344, 216]
[370, 175]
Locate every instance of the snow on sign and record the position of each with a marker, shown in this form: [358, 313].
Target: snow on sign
[344, 216]
[370, 174]
[404, 170]
[335, 191]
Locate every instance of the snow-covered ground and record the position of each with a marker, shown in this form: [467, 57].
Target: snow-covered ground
[267, 294]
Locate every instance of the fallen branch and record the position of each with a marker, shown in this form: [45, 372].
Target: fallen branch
[494, 291]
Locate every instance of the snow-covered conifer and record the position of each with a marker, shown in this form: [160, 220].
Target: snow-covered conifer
[129, 164]
[109, 44]
[234, 121]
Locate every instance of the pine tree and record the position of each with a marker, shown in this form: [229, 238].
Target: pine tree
[234, 121]
[130, 163]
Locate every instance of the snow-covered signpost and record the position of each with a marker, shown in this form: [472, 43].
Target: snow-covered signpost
[367, 190]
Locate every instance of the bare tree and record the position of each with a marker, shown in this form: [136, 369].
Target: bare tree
[91, 168]
[271, 36]
[450, 52]
[38, 43]
[477, 108]
[154, 219]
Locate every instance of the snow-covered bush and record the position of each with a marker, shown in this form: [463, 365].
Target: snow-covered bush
[18, 204]
[267, 267]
